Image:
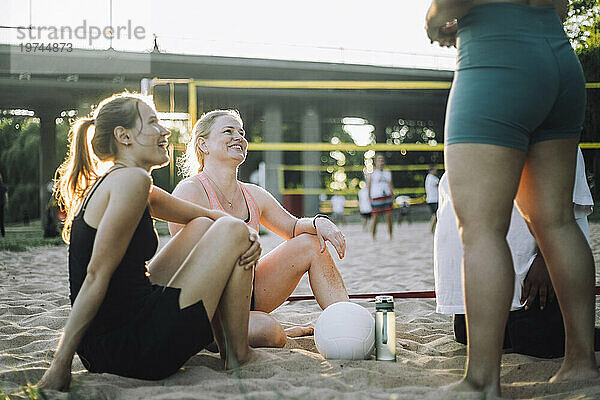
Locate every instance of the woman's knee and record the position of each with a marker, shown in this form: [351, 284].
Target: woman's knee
[548, 219]
[199, 226]
[308, 243]
[308, 246]
[472, 230]
[233, 229]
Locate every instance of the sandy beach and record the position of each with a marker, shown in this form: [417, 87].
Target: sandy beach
[34, 307]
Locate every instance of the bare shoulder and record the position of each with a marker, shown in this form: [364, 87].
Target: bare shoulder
[259, 193]
[136, 180]
[191, 189]
[124, 188]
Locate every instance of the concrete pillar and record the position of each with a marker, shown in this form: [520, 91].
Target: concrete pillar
[47, 169]
[311, 132]
[273, 159]
[380, 124]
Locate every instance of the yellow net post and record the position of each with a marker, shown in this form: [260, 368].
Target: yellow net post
[192, 105]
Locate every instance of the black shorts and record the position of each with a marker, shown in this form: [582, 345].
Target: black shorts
[533, 332]
[366, 215]
[154, 343]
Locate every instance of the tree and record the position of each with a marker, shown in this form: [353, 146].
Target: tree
[19, 162]
[582, 23]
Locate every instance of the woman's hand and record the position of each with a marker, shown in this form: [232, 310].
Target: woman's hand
[445, 35]
[56, 378]
[441, 20]
[251, 256]
[327, 230]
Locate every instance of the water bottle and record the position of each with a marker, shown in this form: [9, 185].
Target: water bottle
[385, 328]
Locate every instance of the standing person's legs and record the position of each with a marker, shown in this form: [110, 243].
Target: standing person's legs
[483, 181]
[545, 200]
[388, 218]
[433, 219]
[374, 216]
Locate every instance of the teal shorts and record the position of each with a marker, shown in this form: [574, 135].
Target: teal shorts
[518, 80]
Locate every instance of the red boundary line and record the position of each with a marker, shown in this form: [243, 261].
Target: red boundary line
[430, 294]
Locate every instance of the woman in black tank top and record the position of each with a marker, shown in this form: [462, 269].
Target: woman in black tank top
[120, 322]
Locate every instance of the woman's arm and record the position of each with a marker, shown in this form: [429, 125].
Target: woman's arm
[273, 216]
[278, 220]
[441, 12]
[169, 208]
[116, 228]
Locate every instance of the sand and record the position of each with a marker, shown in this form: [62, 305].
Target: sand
[34, 307]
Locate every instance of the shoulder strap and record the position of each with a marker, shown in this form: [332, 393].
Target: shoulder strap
[210, 192]
[93, 189]
[253, 209]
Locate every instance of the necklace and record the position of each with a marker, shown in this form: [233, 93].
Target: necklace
[229, 203]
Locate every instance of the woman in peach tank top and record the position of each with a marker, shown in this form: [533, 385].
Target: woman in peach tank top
[217, 148]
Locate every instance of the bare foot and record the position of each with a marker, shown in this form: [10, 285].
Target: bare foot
[576, 373]
[477, 391]
[252, 356]
[298, 331]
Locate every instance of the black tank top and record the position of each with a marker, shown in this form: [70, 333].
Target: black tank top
[129, 284]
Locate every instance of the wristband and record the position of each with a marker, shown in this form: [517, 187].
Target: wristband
[319, 216]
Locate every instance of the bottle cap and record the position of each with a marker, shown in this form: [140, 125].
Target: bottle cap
[384, 303]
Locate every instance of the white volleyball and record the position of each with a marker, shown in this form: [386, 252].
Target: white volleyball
[345, 331]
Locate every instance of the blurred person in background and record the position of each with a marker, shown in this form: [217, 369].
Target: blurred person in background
[381, 191]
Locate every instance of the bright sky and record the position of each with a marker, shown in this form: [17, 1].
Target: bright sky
[376, 32]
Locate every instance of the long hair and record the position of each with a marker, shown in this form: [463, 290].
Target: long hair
[192, 162]
[80, 170]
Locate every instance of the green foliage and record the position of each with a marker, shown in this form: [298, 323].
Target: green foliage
[32, 392]
[22, 238]
[583, 27]
[19, 156]
[582, 23]
[29, 391]
[19, 162]
[3, 395]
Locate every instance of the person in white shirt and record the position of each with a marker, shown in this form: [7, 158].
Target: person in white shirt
[535, 324]
[364, 203]
[337, 206]
[431, 192]
[381, 191]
